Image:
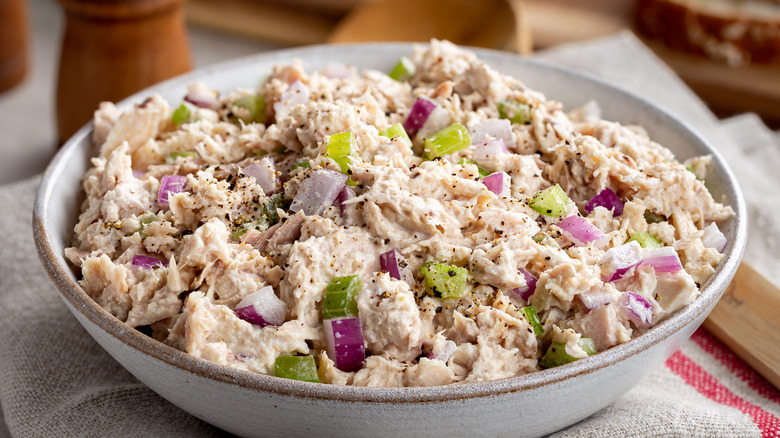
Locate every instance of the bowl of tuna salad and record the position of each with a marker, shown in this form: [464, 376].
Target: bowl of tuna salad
[389, 239]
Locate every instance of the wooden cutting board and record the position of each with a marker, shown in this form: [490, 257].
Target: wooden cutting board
[747, 320]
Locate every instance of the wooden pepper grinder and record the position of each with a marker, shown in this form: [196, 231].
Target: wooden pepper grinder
[113, 48]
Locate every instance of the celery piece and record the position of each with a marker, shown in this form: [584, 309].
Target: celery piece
[269, 209]
[533, 319]
[450, 139]
[255, 104]
[181, 114]
[397, 130]
[550, 201]
[184, 154]
[482, 172]
[444, 281]
[556, 355]
[339, 300]
[516, 112]
[340, 147]
[654, 218]
[404, 70]
[301, 164]
[646, 240]
[144, 220]
[689, 168]
[296, 368]
[258, 224]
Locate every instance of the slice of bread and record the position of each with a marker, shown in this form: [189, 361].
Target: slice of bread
[737, 32]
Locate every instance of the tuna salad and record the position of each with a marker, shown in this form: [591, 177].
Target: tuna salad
[433, 224]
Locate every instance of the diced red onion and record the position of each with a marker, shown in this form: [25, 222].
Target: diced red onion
[493, 128]
[662, 259]
[418, 115]
[262, 308]
[200, 96]
[526, 291]
[345, 195]
[486, 150]
[146, 262]
[714, 238]
[318, 191]
[169, 185]
[640, 310]
[264, 173]
[497, 183]
[337, 70]
[346, 346]
[296, 94]
[595, 299]
[579, 231]
[607, 199]
[617, 261]
[394, 264]
[438, 119]
[442, 350]
[139, 174]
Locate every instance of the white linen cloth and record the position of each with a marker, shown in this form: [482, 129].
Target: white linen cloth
[56, 381]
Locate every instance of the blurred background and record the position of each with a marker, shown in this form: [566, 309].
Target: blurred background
[58, 59]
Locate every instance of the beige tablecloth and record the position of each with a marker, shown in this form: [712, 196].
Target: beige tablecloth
[56, 381]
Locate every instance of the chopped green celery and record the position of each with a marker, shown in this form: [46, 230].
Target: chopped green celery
[450, 139]
[351, 183]
[646, 240]
[482, 172]
[689, 168]
[550, 201]
[269, 209]
[556, 355]
[184, 154]
[340, 147]
[259, 224]
[255, 104]
[181, 114]
[404, 70]
[144, 220]
[339, 300]
[444, 281]
[397, 130]
[304, 164]
[516, 112]
[533, 319]
[296, 368]
[654, 218]
[545, 239]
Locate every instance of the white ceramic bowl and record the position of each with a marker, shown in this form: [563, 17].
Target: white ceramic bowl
[252, 404]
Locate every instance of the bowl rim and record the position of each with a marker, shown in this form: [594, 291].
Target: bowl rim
[78, 300]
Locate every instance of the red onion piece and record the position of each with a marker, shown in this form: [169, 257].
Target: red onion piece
[262, 308]
[662, 259]
[170, 184]
[346, 346]
[492, 129]
[617, 261]
[497, 183]
[200, 96]
[485, 151]
[714, 238]
[418, 115]
[607, 199]
[394, 264]
[579, 231]
[318, 191]
[139, 174]
[264, 173]
[438, 119]
[146, 262]
[526, 291]
[345, 195]
[296, 94]
[595, 299]
[640, 310]
[442, 350]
